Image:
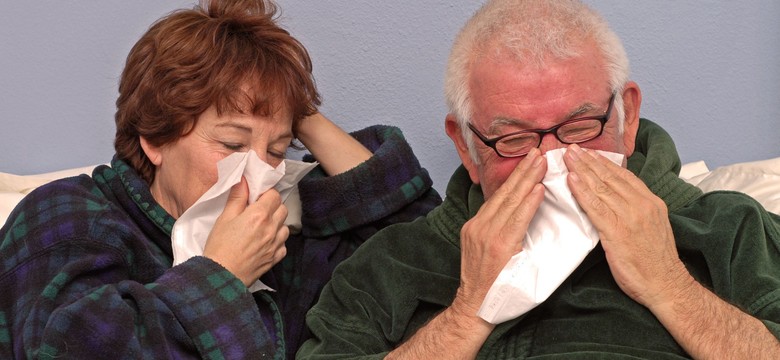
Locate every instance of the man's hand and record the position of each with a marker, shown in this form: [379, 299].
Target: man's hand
[633, 225]
[496, 233]
[249, 239]
[639, 245]
[488, 240]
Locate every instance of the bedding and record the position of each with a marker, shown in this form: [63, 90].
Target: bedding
[14, 187]
[759, 179]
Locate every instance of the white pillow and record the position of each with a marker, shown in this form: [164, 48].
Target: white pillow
[759, 179]
[8, 201]
[14, 187]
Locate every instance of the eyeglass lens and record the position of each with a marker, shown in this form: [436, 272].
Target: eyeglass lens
[568, 133]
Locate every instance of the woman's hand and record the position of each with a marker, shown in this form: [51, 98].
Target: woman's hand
[249, 239]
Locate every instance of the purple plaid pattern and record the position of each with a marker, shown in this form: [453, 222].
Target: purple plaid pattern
[86, 266]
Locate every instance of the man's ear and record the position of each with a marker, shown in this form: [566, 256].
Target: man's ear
[152, 152]
[452, 127]
[632, 101]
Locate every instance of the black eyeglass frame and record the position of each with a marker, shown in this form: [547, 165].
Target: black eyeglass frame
[553, 130]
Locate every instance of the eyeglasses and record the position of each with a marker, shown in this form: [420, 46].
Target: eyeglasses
[573, 131]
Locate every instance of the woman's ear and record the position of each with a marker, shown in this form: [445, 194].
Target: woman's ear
[452, 126]
[152, 152]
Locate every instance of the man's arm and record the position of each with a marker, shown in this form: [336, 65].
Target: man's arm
[708, 327]
[456, 333]
[488, 240]
[640, 248]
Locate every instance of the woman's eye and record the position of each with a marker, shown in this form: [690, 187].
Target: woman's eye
[276, 154]
[233, 147]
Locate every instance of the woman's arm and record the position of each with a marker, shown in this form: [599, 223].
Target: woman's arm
[336, 150]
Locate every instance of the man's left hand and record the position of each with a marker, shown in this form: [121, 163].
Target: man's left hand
[633, 225]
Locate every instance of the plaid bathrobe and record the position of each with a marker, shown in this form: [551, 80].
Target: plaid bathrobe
[85, 265]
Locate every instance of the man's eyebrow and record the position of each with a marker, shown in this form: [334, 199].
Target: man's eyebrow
[581, 110]
[507, 121]
[504, 121]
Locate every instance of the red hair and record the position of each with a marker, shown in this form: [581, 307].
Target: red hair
[230, 54]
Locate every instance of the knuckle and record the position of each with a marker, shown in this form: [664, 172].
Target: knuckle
[280, 254]
[470, 226]
[520, 216]
[660, 204]
[284, 233]
[602, 189]
[256, 218]
[598, 206]
[274, 196]
[512, 199]
[652, 206]
[610, 179]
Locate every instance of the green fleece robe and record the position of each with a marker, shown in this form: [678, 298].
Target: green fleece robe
[407, 273]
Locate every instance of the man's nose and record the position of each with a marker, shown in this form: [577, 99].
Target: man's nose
[550, 142]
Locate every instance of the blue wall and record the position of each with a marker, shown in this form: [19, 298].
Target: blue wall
[709, 71]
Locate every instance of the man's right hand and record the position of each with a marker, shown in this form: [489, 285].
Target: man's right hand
[496, 233]
[249, 239]
[488, 240]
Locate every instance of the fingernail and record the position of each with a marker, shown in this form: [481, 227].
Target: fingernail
[538, 161]
[534, 154]
[574, 150]
[574, 177]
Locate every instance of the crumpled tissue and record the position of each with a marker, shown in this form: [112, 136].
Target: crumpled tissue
[193, 227]
[559, 237]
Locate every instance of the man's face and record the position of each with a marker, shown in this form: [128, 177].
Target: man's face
[508, 98]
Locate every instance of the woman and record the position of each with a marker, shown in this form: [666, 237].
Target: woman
[87, 261]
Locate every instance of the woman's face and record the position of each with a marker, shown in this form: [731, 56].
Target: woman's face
[187, 168]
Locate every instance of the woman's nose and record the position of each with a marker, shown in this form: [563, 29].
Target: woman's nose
[261, 152]
[262, 155]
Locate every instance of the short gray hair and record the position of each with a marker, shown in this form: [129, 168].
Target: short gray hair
[532, 31]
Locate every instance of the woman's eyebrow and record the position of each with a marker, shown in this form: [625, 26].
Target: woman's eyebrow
[235, 125]
[287, 136]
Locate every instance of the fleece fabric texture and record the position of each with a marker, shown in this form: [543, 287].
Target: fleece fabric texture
[407, 273]
[85, 266]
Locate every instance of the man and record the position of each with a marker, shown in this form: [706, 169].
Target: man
[677, 273]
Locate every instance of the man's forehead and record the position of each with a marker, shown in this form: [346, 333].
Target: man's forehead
[504, 94]
[587, 63]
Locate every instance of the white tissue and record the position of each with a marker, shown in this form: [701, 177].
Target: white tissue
[559, 237]
[193, 227]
